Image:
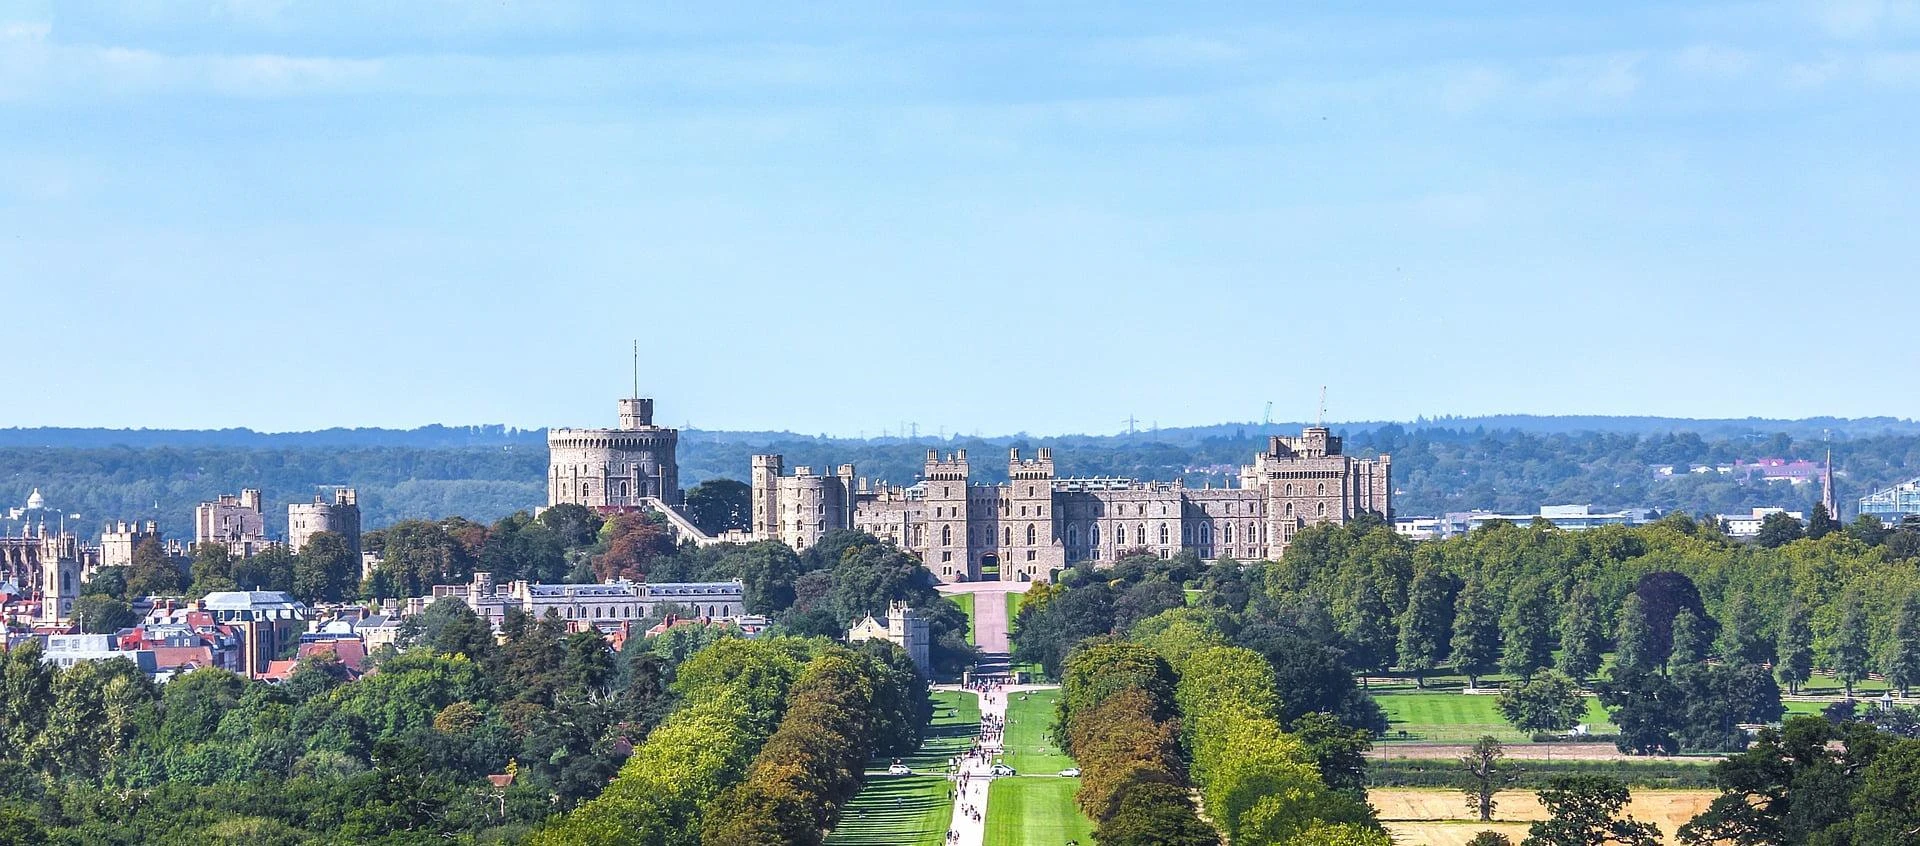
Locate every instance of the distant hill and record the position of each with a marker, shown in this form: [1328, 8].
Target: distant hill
[1507, 463]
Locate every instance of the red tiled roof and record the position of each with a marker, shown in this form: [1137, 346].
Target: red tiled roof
[351, 654]
[168, 657]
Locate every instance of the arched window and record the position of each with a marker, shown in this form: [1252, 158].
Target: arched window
[1007, 536]
[584, 487]
[1323, 488]
[1030, 534]
[1226, 533]
[1140, 534]
[1163, 533]
[946, 535]
[1093, 535]
[1289, 509]
[1073, 536]
[1206, 533]
[1323, 509]
[1289, 489]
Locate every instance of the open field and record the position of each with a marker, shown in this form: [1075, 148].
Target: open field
[913, 810]
[1459, 717]
[1035, 811]
[1028, 750]
[965, 601]
[1440, 816]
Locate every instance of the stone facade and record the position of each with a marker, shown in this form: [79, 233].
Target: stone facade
[236, 522]
[340, 516]
[118, 542]
[603, 606]
[905, 628]
[615, 468]
[1038, 522]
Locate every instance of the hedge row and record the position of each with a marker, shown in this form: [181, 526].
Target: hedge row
[1259, 783]
[1116, 719]
[1533, 774]
[810, 768]
[735, 689]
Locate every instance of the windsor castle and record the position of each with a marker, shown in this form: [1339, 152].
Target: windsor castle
[1025, 529]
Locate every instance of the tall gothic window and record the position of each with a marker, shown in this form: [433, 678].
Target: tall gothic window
[1140, 534]
[1093, 535]
[1323, 488]
[1163, 533]
[1226, 533]
[1323, 509]
[1030, 534]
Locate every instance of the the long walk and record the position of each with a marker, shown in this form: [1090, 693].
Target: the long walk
[975, 775]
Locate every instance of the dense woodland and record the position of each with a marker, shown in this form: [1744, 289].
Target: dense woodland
[1685, 635]
[1503, 464]
[99, 754]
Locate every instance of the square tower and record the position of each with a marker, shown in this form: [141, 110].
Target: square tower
[950, 543]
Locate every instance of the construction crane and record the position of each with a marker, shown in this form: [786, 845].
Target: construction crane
[1268, 420]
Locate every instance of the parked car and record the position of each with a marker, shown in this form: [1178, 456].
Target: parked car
[899, 769]
[1002, 770]
[1071, 772]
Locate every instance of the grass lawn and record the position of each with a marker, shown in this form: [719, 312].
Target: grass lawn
[965, 601]
[1035, 811]
[1013, 606]
[1451, 717]
[1028, 750]
[912, 810]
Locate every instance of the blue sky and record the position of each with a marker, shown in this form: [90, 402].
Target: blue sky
[989, 217]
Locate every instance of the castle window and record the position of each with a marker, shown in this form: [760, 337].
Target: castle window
[1163, 533]
[1029, 555]
[1029, 490]
[1226, 533]
[1073, 536]
[1289, 509]
[1030, 534]
[1009, 537]
[1323, 509]
[1140, 534]
[1323, 488]
[1093, 535]
[1289, 489]
[946, 535]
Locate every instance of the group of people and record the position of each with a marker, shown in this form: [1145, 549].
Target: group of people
[991, 728]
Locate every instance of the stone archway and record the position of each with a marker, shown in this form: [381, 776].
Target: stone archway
[990, 567]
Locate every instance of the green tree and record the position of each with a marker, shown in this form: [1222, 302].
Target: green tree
[1369, 630]
[326, 569]
[1585, 810]
[1425, 623]
[1551, 702]
[1779, 529]
[26, 694]
[1902, 657]
[102, 614]
[1850, 653]
[1490, 838]
[1648, 708]
[1487, 774]
[717, 505]
[1820, 523]
[1795, 648]
[1476, 634]
[1869, 530]
[1744, 638]
[1582, 635]
[1339, 753]
[153, 573]
[1527, 628]
[449, 627]
[212, 570]
[1636, 645]
[1887, 807]
[1691, 641]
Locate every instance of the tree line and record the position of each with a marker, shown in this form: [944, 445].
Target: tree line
[1503, 468]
